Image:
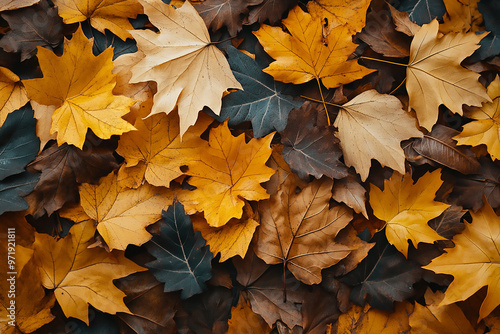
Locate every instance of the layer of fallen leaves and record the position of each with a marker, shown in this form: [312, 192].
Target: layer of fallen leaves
[250, 166]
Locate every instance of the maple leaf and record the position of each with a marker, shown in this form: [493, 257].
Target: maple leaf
[65, 265]
[438, 148]
[434, 318]
[190, 71]
[372, 125]
[304, 54]
[461, 16]
[485, 129]
[62, 168]
[299, 230]
[262, 100]
[110, 14]
[80, 85]
[231, 239]
[310, 147]
[434, 75]
[155, 153]
[182, 259]
[230, 171]
[121, 214]
[370, 320]
[15, 4]
[407, 207]
[29, 31]
[333, 13]
[220, 13]
[12, 93]
[473, 262]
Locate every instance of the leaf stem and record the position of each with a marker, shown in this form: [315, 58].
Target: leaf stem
[395, 89]
[224, 40]
[323, 100]
[319, 101]
[384, 61]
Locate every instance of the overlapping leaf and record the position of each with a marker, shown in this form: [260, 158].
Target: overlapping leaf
[12, 93]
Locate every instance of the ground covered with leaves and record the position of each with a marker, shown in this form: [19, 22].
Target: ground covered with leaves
[250, 166]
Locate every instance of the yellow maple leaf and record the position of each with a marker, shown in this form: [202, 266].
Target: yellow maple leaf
[407, 207]
[434, 75]
[190, 71]
[231, 239]
[474, 262]
[486, 127]
[108, 14]
[81, 275]
[157, 150]
[340, 12]
[305, 54]
[12, 93]
[371, 126]
[461, 16]
[121, 214]
[229, 171]
[80, 85]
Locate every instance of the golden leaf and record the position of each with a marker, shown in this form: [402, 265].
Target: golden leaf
[333, 13]
[12, 93]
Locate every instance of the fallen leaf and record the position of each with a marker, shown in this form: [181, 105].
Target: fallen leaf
[225, 13]
[449, 223]
[383, 277]
[319, 308]
[80, 85]
[473, 261]
[62, 168]
[350, 191]
[434, 318]
[155, 152]
[230, 171]
[310, 147]
[407, 207]
[106, 40]
[15, 4]
[304, 54]
[485, 127]
[370, 320]
[461, 16]
[333, 13]
[423, 11]
[110, 14]
[121, 214]
[182, 259]
[298, 230]
[29, 30]
[283, 171]
[371, 126]
[190, 71]
[438, 147]
[66, 264]
[12, 93]
[403, 22]
[233, 238]
[262, 100]
[269, 10]
[245, 321]
[435, 76]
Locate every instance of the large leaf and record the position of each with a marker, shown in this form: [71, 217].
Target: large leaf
[474, 262]
[310, 147]
[182, 260]
[298, 229]
[29, 31]
[435, 76]
[65, 265]
[261, 101]
[190, 71]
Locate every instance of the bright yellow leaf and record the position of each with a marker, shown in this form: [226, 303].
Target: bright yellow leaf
[158, 148]
[474, 262]
[434, 75]
[407, 207]
[486, 127]
[80, 275]
[231, 170]
[335, 13]
[190, 72]
[12, 93]
[305, 54]
[102, 14]
[80, 85]
[121, 214]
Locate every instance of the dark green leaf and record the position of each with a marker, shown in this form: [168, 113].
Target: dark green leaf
[423, 11]
[490, 45]
[12, 190]
[182, 260]
[104, 41]
[261, 101]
